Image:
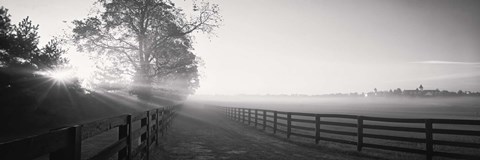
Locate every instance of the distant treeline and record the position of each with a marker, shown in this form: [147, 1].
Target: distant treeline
[407, 93]
[390, 93]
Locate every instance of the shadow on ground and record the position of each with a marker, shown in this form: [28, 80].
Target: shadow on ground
[203, 133]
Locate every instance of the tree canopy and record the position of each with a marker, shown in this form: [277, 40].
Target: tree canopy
[148, 39]
[19, 46]
[21, 61]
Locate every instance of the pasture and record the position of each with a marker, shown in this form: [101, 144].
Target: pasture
[419, 108]
[449, 107]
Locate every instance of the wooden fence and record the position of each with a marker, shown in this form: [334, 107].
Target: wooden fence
[65, 143]
[271, 119]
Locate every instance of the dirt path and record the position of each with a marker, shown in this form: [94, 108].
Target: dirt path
[201, 133]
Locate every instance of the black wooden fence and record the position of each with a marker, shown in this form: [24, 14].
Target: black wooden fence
[65, 143]
[271, 119]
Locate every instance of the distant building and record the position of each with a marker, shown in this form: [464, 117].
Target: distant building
[421, 92]
[411, 92]
[431, 92]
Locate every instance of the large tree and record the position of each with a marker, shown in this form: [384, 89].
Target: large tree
[152, 36]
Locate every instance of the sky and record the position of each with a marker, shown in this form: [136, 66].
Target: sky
[318, 46]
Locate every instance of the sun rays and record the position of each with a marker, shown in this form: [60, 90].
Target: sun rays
[59, 75]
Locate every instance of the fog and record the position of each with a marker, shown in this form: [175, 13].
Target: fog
[438, 107]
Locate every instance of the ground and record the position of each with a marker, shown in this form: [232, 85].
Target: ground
[202, 133]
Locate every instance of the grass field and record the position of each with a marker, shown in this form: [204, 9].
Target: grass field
[442, 108]
[453, 107]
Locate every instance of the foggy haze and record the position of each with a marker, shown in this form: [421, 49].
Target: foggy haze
[319, 47]
[186, 79]
[399, 107]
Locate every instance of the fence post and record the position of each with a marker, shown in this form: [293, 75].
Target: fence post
[163, 121]
[173, 116]
[156, 125]
[274, 122]
[429, 139]
[359, 133]
[249, 116]
[148, 135]
[124, 132]
[236, 114]
[317, 128]
[289, 124]
[256, 117]
[167, 117]
[264, 119]
[240, 115]
[169, 114]
[170, 117]
[166, 113]
[243, 115]
[129, 138]
[73, 150]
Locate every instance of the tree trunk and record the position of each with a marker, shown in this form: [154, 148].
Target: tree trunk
[142, 84]
[142, 81]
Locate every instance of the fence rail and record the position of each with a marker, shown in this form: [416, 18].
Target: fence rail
[275, 119]
[65, 143]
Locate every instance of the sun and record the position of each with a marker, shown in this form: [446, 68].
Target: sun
[62, 75]
[79, 68]
[59, 75]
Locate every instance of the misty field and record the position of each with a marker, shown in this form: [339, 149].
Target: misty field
[449, 108]
[439, 108]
